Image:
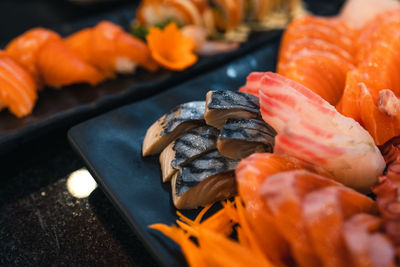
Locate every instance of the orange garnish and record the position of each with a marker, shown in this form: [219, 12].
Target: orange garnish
[170, 48]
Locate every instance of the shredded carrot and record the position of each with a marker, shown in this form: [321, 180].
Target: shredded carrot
[222, 251]
[170, 48]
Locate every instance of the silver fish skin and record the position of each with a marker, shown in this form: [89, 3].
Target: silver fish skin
[201, 168]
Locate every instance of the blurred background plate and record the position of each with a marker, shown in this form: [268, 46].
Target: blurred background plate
[65, 107]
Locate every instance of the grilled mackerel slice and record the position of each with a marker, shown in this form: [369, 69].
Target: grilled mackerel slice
[166, 129]
[242, 137]
[186, 148]
[205, 180]
[222, 105]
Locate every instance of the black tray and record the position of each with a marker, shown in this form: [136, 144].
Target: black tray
[111, 147]
[72, 104]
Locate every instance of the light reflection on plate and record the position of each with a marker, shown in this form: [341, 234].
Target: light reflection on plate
[80, 183]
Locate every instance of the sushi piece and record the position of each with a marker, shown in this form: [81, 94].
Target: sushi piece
[310, 129]
[222, 105]
[187, 148]
[60, 66]
[158, 12]
[24, 49]
[241, 137]
[227, 14]
[205, 180]
[18, 90]
[111, 50]
[172, 125]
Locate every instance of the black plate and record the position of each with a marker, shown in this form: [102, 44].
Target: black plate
[60, 108]
[111, 147]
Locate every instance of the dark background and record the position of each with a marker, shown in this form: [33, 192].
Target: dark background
[40, 223]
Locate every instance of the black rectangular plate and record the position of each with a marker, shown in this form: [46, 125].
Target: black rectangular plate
[111, 147]
[72, 104]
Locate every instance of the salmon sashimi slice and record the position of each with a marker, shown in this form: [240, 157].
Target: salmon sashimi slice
[330, 30]
[309, 44]
[310, 129]
[324, 212]
[366, 246]
[386, 31]
[24, 49]
[322, 72]
[250, 174]
[381, 126]
[349, 104]
[107, 47]
[17, 87]
[59, 66]
[284, 193]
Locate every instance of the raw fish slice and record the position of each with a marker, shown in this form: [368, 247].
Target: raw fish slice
[205, 180]
[172, 125]
[250, 175]
[349, 104]
[336, 153]
[382, 66]
[224, 104]
[312, 130]
[381, 126]
[24, 49]
[292, 100]
[253, 83]
[322, 72]
[309, 44]
[242, 137]
[185, 149]
[17, 87]
[284, 193]
[385, 32]
[59, 66]
[110, 49]
[367, 247]
[324, 212]
[330, 30]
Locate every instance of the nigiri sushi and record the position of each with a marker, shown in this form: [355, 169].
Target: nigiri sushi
[24, 49]
[18, 90]
[59, 66]
[111, 50]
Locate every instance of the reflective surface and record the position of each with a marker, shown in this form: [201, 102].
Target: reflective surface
[42, 223]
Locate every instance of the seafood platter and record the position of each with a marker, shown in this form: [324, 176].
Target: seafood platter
[264, 164]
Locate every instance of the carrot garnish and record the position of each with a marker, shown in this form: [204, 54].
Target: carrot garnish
[170, 48]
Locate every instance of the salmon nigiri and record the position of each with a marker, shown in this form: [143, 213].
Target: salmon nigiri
[24, 48]
[17, 87]
[107, 47]
[59, 65]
